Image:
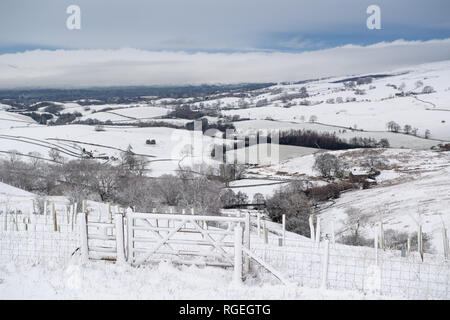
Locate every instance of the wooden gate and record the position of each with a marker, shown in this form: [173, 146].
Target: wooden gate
[187, 239]
[140, 238]
[102, 240]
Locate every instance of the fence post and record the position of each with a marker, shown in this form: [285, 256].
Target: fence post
[376, 246]
[84, 238]
[420, 242]
[258, 222]
[408, 245]
[317, 231]
[237, 275]
[45, 211]
[247, 240]
[130, 256]
[283, 223]
[54, 216]
[445, 239]
[311, 228]
[266, 233]
[32, 220]
[333, 233]
[5, 220]
[325, 262]
[72, 210]
[120, 244]
[382, 237]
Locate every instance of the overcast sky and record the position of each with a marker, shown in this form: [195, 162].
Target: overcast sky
[205, 41]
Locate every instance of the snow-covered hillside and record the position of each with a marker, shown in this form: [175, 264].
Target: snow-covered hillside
[172, 145]
[397, 96]
[412, 185]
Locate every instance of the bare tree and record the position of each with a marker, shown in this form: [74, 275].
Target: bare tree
[355, 221]
[258, 198]
[328, 165]
[407, 129]
[428, 89]
[393, 126]
[313, 118]
[55, 155]
[296, 207]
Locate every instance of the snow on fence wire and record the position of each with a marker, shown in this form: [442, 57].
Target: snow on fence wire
[56, 236]
[30, 237]
[357, 268]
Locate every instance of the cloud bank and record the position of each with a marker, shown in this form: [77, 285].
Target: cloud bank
[136, 67]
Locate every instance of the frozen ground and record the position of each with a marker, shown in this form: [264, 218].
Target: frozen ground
[164, 281]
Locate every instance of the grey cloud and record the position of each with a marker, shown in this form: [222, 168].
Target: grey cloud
[205, 24]
[85, 68]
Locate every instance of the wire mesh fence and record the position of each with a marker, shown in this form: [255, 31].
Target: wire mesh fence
[32, 238]
[359, 268]
[36, 238]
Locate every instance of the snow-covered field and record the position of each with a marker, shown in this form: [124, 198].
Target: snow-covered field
[370, 111]
[129, 114]
[163, 281]
[172, 145]
[9, 120]
[413, 186]
[396, 140]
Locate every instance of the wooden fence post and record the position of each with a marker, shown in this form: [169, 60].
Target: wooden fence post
[237, 275]
[266, 233]
[333, 233]
[376, 246]
[247, 241]
[420, 242]
[311, 228]
[382, 237]
[45, 211]
[55, 219]
[31, 220]
[120, 241]
[317, 236]
[445, 240]
[258, 222]
[84, 238]
[130, 235]
[5, 220]
[325, 262]
[75, 211]
[408, 245]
